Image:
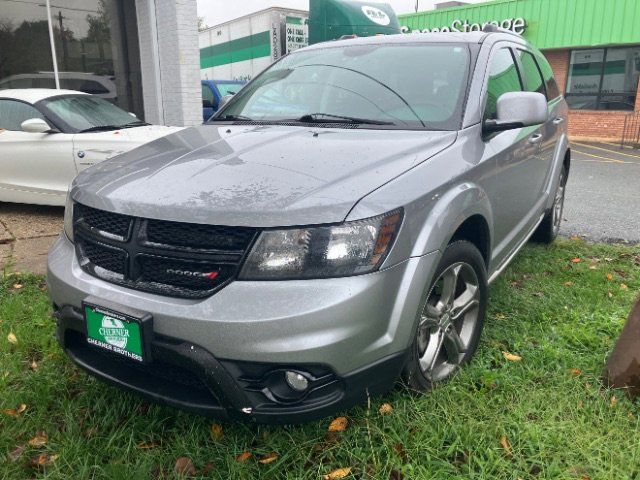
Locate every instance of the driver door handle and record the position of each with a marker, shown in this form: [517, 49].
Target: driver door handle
[535, 138]
[558, 120]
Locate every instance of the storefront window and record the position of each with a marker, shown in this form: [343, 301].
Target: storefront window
[603, 79]
[24, 45]
[95, 43]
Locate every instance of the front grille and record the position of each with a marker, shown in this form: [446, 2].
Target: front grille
[169, 258]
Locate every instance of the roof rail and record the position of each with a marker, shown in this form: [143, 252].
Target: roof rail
[491, 28]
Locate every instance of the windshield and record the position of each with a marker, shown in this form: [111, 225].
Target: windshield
[399, 86]
[85, 112]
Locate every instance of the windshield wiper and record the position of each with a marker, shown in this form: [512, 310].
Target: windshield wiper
[231, 117]
[100, 128]
[139, 123]
[330, 118]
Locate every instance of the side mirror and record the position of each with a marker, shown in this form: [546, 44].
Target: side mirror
[224, 100]
[518, 110]
[35, 125]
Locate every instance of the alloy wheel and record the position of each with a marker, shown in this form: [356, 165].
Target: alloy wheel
[448, 321]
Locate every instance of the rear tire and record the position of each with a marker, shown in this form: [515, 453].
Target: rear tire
[549, 228]
[451, 320]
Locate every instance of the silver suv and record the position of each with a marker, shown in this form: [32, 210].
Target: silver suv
[332, 230]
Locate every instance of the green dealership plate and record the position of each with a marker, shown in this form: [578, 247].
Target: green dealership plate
[114, 331]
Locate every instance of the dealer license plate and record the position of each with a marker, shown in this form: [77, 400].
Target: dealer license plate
[116, 332]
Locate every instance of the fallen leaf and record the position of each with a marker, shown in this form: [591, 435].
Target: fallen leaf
[576, 372]
[538, 294]
[609, 294]
[396, 475]
[575, 238]
[592, 267]
[33, 365]
[243, 457]
[216, 431]
[43, 460]
[14, 412]
[339, 424]
[148, 446]
[568, 284]
[385, 409]
[623, 286]
[338, 473]
[614, 401]
[184, 466]
[500, 316]
[576, 260]
[400, 450]
[12, 338]
[206, 470]
[17, 286]
[609, 277]
[504, 441]
[268, 458]
[511, 357]
[39, 440]
[16, 453]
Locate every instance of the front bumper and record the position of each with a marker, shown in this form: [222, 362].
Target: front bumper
[224, 356]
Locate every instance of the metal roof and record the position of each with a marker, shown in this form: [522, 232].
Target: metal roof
[550, 23]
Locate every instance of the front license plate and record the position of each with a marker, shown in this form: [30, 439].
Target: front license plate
[116, 332]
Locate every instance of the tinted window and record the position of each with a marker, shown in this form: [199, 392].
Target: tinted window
[13, 113]
[552, 87]
[208, 99]
[407, 86]
[532, 77]
[503, 78]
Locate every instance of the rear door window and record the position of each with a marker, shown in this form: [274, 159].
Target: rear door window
[503, 78]
[532, 76]
[553, 91]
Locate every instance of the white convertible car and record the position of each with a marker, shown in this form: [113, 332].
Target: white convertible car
[48, 136]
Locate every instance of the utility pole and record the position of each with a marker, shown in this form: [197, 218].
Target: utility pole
[63, 37]
[417, 5]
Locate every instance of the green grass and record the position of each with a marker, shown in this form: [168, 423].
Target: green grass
[558, 424]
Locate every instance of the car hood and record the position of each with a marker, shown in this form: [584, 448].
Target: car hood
[262, 176]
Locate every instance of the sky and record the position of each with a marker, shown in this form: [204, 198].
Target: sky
[219, 11]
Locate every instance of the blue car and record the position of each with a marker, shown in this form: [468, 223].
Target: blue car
[213, 91]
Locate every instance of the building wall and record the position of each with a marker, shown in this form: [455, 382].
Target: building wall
[170, 61]
[588, 124]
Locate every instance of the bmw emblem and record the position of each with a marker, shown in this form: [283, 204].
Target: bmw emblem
[81, 154]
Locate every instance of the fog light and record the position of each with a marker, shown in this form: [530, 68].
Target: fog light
[296, 381]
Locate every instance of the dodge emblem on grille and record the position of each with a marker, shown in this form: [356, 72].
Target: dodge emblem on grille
[188, 273]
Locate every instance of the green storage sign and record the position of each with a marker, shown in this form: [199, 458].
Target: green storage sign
[545, 23]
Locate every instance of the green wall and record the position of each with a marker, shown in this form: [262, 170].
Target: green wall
[550, 23]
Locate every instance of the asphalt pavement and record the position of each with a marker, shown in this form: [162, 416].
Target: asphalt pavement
[603, 193]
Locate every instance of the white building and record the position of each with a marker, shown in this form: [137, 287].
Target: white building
[141, 54]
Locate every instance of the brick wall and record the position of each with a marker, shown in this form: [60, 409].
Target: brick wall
[587, 124]
[170, 61]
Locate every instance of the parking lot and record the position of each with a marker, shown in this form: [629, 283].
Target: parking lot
[602, 205]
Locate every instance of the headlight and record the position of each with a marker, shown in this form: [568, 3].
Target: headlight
[351, 248]
[68, 217]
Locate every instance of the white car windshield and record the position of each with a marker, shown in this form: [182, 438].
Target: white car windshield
[84, 113]
[399, 86]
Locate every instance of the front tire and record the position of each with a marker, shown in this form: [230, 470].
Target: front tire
[451, 320]
[549, 228]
